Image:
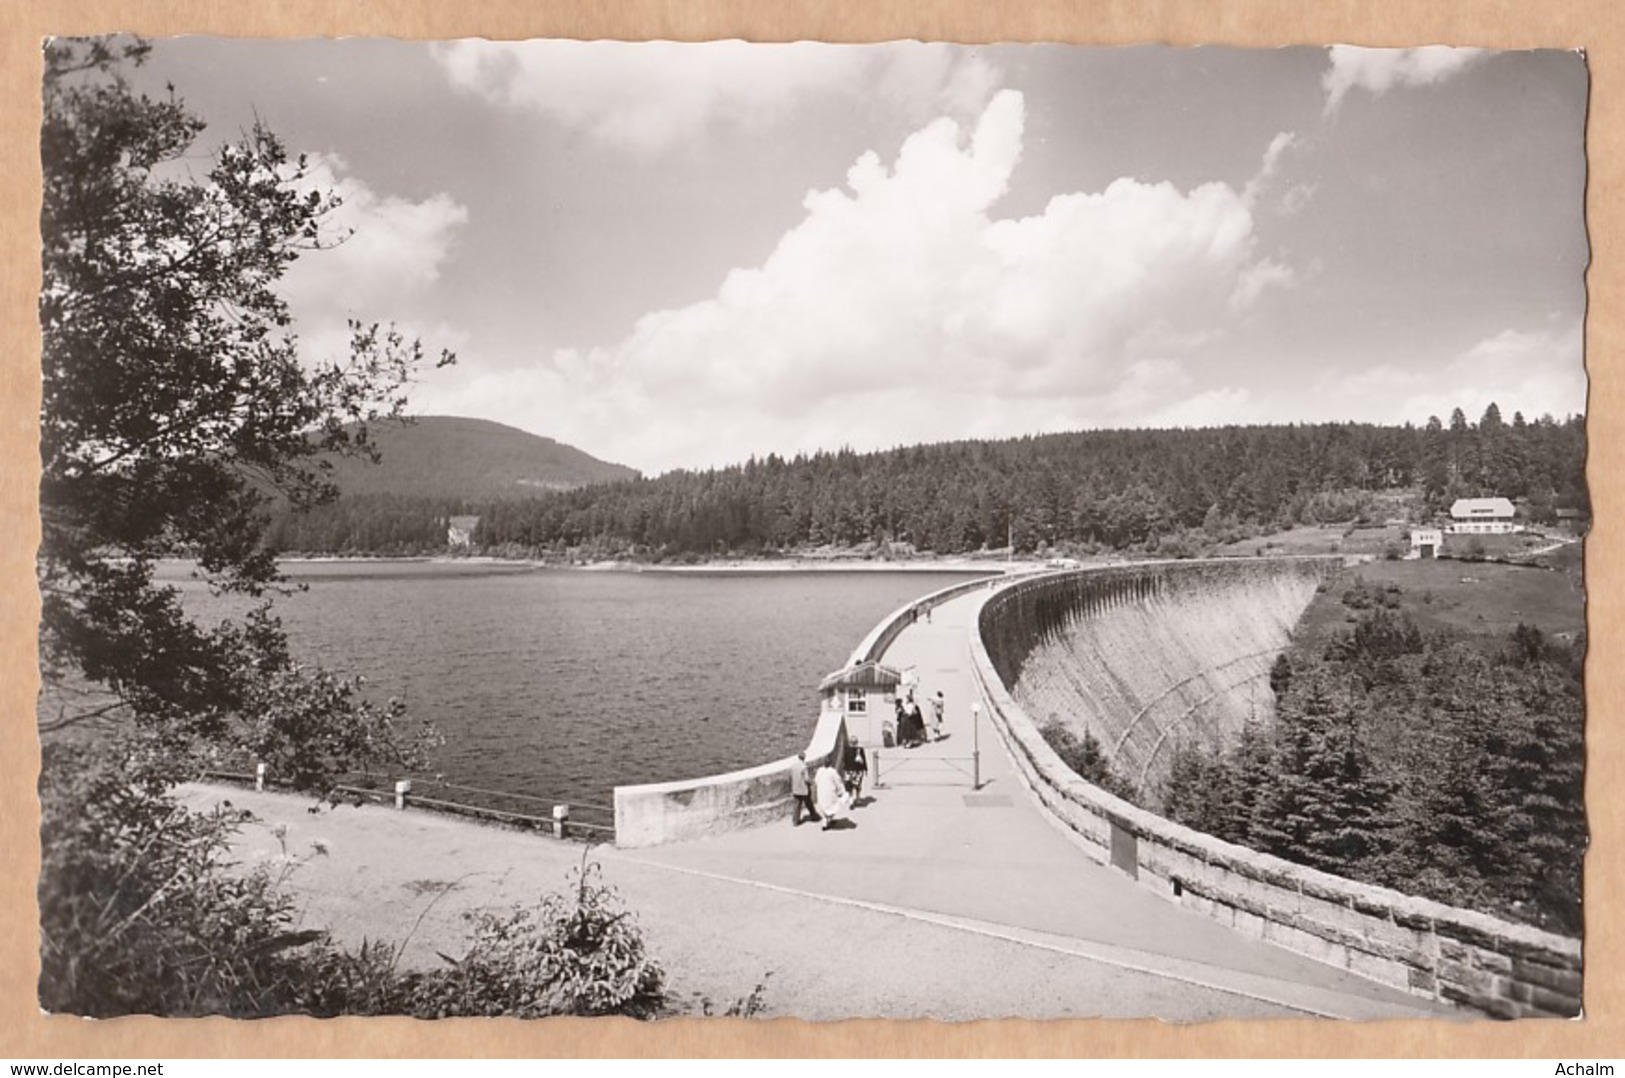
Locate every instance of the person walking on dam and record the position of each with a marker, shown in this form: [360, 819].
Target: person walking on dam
[938, 704]
[801, 790]
[833, 800]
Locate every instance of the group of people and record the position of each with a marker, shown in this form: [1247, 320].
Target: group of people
[824, 794]
[912, 728]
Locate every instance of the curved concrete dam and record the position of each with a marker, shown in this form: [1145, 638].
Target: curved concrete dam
[1142, 655]
[1146, 656]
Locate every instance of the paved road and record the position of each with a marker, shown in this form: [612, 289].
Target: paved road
[940, 901]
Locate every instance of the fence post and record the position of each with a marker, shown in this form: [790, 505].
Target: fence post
[259, 776]
[976, 745]
[402, 788]
[561, 820]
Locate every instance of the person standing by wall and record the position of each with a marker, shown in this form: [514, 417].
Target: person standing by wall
[801, 790]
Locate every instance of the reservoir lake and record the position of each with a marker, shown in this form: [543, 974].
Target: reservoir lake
[565, 683]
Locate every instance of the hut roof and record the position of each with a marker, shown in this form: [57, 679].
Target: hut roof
[865, 675]
[1481, 509]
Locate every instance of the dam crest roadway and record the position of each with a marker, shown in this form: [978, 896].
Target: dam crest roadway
[943, 901]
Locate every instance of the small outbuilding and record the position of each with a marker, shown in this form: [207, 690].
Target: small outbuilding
[460, 531]
[1425, 542]
[864, 695]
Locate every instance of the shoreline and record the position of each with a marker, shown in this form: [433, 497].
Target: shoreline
[838, 563]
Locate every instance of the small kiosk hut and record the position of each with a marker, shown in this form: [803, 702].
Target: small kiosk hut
[864, 695]
[1426, 542]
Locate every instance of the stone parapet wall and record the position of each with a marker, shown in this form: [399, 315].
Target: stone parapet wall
[1433, 950]
[659, 812]
[873, 647]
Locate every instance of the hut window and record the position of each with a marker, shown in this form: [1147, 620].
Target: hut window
[856, 701]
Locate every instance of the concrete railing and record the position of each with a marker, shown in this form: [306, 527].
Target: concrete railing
[660, 812]
[881, 636]
[1424, 947]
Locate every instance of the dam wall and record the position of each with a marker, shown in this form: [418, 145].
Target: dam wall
[1144, 657]
[1432, 950]
[651, 814]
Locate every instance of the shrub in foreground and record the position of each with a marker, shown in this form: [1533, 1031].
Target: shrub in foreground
[141, 913]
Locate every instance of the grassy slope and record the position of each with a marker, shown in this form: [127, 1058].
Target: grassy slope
[1481, 601]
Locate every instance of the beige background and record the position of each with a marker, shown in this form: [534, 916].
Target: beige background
[1593, 25]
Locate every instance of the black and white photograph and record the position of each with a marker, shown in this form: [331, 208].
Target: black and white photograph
[903, 530]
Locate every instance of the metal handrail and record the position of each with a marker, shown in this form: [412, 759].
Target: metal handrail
[519, 817]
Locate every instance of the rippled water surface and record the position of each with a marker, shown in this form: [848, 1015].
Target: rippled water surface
[566, 683]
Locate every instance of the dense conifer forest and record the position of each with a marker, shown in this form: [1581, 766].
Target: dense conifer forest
[1414, 761]
[1089, 491]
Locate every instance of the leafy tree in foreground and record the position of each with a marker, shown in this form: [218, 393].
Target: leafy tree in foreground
[176, 410]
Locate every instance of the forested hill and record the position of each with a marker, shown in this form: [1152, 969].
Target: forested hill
[1098, 489]
[469, 459]
[1087, 491]
[430, 470]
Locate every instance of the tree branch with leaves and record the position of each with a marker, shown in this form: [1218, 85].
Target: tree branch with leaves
[179, 408]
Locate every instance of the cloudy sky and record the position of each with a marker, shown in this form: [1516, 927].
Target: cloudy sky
[682, 255]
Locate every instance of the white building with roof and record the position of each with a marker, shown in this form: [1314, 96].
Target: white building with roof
[1482, 516]
[864, 696]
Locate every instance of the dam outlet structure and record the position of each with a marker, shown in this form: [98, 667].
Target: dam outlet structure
[1144, 655]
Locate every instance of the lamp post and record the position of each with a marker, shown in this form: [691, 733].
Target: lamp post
[976, 745]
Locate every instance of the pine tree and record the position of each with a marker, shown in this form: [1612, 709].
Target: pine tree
[1541, 778]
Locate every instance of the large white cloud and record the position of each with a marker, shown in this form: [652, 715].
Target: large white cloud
[651, 96]
[384, 247]
[385, 254]
[901, 310]
[1379, 70]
